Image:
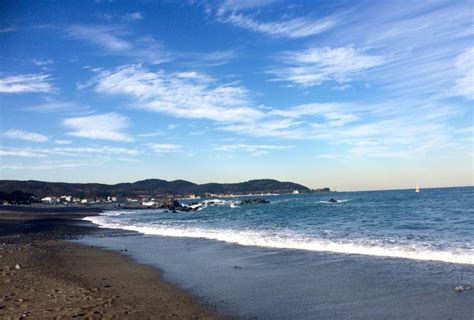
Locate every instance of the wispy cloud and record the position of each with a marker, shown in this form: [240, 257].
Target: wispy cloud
[149, 134]
[164, 147]
[105, 37]
[464, 85]
[294, 28]
[20, 153]
[185, 95]
[39, 83]
[238, 5]
[315, 66]
[237, 13]
[107, 126]
[116, 40]
[133, 16]
[384, 127]
[60, 107]
[420, 43]
[58, 141]
[252, 149]
[68, 151]
[207, 59]
[53, 165]
[41, 63]
[24, 135]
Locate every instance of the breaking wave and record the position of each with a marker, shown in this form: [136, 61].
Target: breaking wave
[282, 240]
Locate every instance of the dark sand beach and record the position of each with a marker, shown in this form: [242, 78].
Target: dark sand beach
[44, 276]
[120, 274]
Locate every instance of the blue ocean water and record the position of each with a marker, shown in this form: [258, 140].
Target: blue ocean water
[435, 224]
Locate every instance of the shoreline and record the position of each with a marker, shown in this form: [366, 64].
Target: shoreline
[44, 275]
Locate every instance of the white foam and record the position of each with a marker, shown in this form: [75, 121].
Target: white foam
[285, 241]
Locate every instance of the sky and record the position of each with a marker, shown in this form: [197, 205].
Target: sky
[351, 95]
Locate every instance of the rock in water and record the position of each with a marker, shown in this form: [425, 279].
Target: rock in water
[462, 288]
[332, 200]
[254, 201]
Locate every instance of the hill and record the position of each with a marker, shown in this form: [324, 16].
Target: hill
[148, 187]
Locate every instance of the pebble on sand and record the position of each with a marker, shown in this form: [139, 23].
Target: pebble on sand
[17, 267]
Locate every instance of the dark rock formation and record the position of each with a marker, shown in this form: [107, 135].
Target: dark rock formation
[332, 200]
[168, 203]
[322, 190]
[254, 201]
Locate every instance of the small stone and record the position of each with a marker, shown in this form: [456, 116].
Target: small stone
[17, 267]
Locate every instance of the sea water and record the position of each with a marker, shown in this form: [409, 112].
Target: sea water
[433, 225]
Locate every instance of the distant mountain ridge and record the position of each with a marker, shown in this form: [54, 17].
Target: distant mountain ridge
[149, 187]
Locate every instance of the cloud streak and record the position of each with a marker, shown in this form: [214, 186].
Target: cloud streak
[24, 135]
[315, 66]
[27, 83]
[294, 28]
[115, 40]
[107, 126]
[188, 95]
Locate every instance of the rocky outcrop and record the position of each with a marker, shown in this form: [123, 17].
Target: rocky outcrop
[254, 201]
[168, 203]
[332, 200]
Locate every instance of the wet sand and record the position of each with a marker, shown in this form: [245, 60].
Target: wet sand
[44, 276]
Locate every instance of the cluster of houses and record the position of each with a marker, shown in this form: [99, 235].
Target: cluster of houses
[145, 201]
[76, 200]
[142, 200]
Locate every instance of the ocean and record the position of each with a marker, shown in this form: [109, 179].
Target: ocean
[435, 224]
[372, 255]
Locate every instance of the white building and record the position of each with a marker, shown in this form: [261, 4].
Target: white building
[49, 200]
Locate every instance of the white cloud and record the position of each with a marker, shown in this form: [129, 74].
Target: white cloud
[238, 5]
[465, 83]
[387, 129]
[62, 141]
[165, 147]
[20, 153]
[42, 63]
[209, 59]
[191, 97]
[60, 107]
[68, 151]
[114, 40]
[107, 126]
[149, 134]
[294, 28]
[252, 149]
[134, 16]
[24, 135]
[96, 149]
[52, 165]
[317, 65]
[101, 36]
[27, 83]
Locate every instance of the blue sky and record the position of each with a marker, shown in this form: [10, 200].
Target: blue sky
[350, 95]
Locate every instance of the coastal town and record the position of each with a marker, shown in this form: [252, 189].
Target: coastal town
[150, 193]
[140, 202]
